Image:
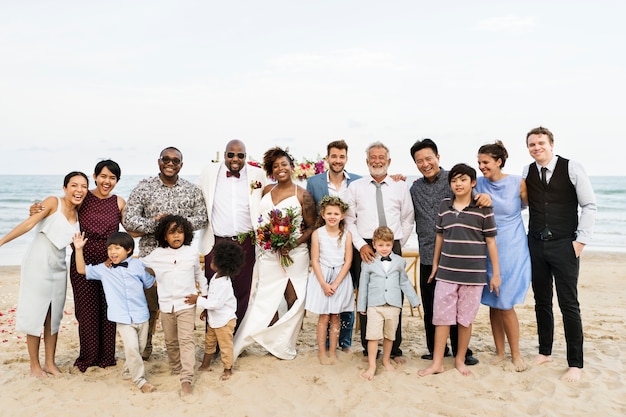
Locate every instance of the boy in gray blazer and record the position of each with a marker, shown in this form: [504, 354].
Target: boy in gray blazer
[381, 285]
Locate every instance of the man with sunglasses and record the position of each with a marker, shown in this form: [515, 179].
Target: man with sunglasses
[232, 192]
[154, 198]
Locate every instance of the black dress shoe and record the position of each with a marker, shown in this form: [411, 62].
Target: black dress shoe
[471, 360]
[428, 357]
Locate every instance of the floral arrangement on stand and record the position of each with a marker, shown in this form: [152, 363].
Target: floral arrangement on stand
[307, 168]
[304, 169]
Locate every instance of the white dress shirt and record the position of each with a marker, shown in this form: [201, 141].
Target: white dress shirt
[362, 214]
[584, 194]
[177, 272]
[220, 304]
[231, 211]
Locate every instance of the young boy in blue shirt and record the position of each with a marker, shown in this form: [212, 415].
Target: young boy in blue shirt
[381, 286]
[123, 282]
[465, 232]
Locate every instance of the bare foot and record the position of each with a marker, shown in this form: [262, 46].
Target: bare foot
[431, 370]
[572, 375]
[497, 359]
[346, 350]
[462, 368]
[520, 364]
[388, 366]
[226, 375]
[52, 370]
[369, 374]
[541, 359]
[205, 368]
[185, 389]
[400, 360]
[147, 387]
[38, 373]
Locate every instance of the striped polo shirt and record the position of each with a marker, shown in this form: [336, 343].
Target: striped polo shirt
[464, 252]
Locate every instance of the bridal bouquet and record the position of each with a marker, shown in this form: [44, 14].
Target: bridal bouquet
[278, 232]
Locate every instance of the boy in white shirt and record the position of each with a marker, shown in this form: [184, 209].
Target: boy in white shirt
[220, 305]
[176, 266]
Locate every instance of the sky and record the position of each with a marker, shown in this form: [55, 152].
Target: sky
[81, 81]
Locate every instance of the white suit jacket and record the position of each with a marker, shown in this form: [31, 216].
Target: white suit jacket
[207, 182]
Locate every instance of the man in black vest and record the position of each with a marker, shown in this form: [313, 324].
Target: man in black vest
[556, 238]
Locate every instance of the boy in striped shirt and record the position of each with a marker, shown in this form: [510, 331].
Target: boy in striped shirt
[465, 233]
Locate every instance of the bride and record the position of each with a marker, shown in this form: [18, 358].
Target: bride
[275, 315]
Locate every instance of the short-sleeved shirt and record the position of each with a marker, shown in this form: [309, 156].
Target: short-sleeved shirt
[151, 197]
[464, 252]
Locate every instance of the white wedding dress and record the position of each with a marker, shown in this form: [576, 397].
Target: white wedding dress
[280, 338]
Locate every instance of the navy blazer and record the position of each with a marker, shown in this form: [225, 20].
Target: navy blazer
[377, 287]
[317, 185]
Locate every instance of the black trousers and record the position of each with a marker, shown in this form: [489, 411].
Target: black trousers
[356, 262]
[556, 259]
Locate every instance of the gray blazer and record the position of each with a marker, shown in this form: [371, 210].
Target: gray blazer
[377, 287]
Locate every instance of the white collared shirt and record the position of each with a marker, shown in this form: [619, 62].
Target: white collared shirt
[584, 194]
[341, 192]
[220, 304]
[177, 272]
[362, 215]
[231, 208]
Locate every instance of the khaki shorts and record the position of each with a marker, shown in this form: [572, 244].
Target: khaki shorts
[382, 321]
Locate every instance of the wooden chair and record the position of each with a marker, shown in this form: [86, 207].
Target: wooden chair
[412, 263]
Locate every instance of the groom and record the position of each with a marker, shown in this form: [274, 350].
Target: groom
[232, 192]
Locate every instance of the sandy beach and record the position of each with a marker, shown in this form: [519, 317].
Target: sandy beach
[265, 386]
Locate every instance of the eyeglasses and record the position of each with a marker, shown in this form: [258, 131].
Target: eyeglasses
[166, 160]
[240, 155]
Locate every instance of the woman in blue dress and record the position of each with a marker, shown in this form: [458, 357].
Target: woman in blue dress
[508, 193]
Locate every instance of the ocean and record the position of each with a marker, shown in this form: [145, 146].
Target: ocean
[17, 192]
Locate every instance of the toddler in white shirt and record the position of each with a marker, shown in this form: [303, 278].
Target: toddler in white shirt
[220, 306]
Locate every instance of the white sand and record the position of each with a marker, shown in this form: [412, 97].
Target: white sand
[265, 386]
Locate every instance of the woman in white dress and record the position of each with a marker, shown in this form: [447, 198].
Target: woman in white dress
[275, 314]
[43, 282]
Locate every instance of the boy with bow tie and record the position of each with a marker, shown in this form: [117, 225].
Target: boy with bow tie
[381, 285]
[123, 283]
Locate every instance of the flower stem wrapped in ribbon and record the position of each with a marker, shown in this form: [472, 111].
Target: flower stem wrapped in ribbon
[281, 231]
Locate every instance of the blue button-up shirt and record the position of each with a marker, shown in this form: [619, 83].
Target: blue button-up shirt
[123, 289]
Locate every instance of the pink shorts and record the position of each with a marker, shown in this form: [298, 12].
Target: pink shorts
[456, 303]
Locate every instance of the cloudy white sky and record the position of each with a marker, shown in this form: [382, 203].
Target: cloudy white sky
[86, 80]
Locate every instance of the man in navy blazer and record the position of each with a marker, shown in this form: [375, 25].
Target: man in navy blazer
[335, 182]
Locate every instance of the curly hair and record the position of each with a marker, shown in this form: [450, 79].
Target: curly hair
[179, 222]
[383, 234]
[228, 258]
[271, 155]
[333, 201]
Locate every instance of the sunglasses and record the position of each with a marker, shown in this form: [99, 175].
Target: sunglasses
[166, 160]
[240, 155]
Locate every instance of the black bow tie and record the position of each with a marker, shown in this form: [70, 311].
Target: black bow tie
[385, 258]
[123, 264]
[232, 174]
